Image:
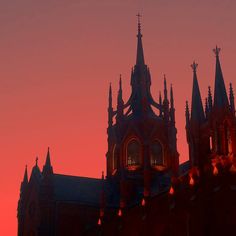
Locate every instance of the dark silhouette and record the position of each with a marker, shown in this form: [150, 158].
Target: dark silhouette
[146, 191]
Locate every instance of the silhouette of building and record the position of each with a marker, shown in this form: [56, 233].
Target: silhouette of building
[146, 191]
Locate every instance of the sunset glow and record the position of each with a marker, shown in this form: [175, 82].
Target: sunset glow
[57, 59]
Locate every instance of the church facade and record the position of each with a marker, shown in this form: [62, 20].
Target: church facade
[145, 191]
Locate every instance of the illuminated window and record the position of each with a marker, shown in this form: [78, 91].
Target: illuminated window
[133, 153]
[156, 154]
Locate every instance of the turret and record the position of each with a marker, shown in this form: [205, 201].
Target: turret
[120, 102]
[47, 168]
[210, 103]
[165, 102]
[197, 112]
[220, 95]
[110, 109]
[172, 109]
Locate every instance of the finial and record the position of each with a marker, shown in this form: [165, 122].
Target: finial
[139, 22]
[36, 161]
[216, 50]
[194, 66]
[120, 82]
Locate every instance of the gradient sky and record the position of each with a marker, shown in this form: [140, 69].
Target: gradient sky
[57, 58]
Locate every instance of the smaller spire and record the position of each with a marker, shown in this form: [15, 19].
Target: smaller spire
[165, 88]
[172, 109]
[110, 109]
[197, 112]
[160, 103]
[25, 179]
[206, 107]
[231, 98]
[187, 113]
[120, 102]
[165, 102]
[110, 96]
[210, 103]
[171, 97]
[47, 168]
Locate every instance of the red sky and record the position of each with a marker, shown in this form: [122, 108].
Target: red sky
[57, 58]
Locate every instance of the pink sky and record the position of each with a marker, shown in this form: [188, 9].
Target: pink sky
[57, 58]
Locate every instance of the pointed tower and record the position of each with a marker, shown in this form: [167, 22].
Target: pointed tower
[220, 95]
[22, 202]
[142, 141]
[197, 112]
[120, 103]
[210, 103]
[47, 168]
[172, 108]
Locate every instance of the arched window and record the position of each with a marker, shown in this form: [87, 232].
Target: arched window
[156, 154]
[133, 153]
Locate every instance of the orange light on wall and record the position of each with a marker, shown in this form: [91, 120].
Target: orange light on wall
[120, 212]
[215, 170]
[191, 181]
[99, 221]
[143, 202]
[171, 191]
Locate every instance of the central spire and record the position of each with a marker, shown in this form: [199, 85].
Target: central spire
[140, 56]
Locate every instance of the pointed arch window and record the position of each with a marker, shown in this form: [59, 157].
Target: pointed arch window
[156, 152]
[133, 153]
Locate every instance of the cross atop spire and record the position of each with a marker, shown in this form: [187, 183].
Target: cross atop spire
[140, 56]
[194, 66]
[216, 50]
[139, 22]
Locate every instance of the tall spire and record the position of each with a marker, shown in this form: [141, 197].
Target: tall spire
[220, 95]
[197, 112]
[140, 55]
[231, 98]
[47, 168]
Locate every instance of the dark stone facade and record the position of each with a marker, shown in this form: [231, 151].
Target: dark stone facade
[145, 191]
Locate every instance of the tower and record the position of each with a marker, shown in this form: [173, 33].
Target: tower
[142, 141]
[211, 135]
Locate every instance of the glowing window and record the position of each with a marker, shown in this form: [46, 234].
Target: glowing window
[156, 154]
[133, 153]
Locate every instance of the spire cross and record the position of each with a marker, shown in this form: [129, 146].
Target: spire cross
[139, 23]
[194, 66]
[139, 16]
[216, 50]
[36, 161]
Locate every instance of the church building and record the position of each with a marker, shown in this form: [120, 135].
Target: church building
[145, 191]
